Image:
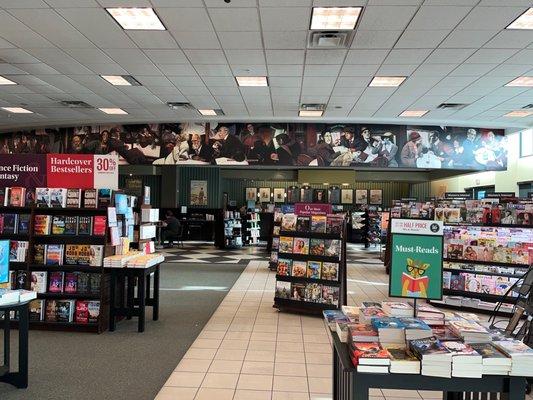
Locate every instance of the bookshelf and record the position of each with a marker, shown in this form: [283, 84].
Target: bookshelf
[273, 242]
[253, 229]
[311, 263]
[232, 230]
[374, 226]
[29, 265]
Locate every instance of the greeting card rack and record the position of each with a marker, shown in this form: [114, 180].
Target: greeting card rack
[333, 293]
[29, 265]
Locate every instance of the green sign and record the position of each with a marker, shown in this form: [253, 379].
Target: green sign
[416, 267]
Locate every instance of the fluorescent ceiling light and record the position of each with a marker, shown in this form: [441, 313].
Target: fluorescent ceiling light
[136, 18]
[311, 113]
[113, 111]
[252, 80]
[521, 81]
[342, 18]
[121, 80]
[413, 113]
[519, 114]
[207, 112]
[5, 81]
[387, 81]
[525, 21]
[17, 110]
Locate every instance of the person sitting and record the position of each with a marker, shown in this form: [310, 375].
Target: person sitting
[171, 229]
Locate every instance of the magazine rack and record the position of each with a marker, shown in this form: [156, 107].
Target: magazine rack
[28, 266]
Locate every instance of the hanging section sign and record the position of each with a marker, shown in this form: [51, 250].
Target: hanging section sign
[416, 266]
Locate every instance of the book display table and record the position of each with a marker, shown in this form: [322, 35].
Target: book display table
[18, 379]
[348, 384]
[123, 282]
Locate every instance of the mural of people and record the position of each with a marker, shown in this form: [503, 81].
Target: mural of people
[411, 150]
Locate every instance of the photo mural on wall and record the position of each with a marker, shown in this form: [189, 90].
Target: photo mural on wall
[275, 144]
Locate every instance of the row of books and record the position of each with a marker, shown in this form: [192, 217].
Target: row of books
[471, 282]
[308, 269]
[54, 197]
[307, 246]
[18, 250]
[8, 296]
[308, 292]
[11, 224]
[68, 254]
[133, 259]
[494, 269]
[69, 225]
[65, 282]
[315, 223]
[474, 303]
[66, 311]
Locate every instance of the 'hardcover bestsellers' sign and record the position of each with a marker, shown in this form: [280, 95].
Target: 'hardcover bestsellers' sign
[82, 171]
[312, 209]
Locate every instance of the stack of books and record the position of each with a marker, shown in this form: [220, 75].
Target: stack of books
[494, 361]
[332, 317]
[521, 356]
[415, 328]
[367, 313]
[435, 358]
[466, 362]
[470, 331]
[403, 362]
[430, 315]
[390, 330]
[370, 357]
[145, 260]
[397, 309]
[358, 332]
[351, 312]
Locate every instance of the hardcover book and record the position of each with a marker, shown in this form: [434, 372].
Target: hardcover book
[56, 282]
[284, 267]
[10, 224]
[4, 193]
[318, 223]
[429, 348]
[38, 253]
[65, 310]
[288, 223]
[370, 353]
[104, 198]
[94, 311]
[23, 224]
[90, 198]
[514, 348]
[73, 198]
[30, 197]
[71, 225]
[17, 197]
[85, 225]
[37, 310]
[71, 282]
[313, 269]
[82, 312]
[77, 254]
[121, 203]
[96, 255]
[58, 225]
[330, 271]
[51, 311]
[84, 284]
[41, 224]
[58, 197]
[38, 281]
[299, 269]
[21, 280]
[303, 224]
[317, 247]
[99, 225]
[42, 197]
[94, 282]
[54, 254]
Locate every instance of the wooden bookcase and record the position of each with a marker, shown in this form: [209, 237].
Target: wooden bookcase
[103, 296]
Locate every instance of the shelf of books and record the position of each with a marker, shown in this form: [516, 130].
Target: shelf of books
[311, 263]
[58, 241]
[274, 246]
[232, 229]
[481, 265]
[374, 225]
[253, 229]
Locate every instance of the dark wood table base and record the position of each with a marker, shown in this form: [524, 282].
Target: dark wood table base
[18, 379]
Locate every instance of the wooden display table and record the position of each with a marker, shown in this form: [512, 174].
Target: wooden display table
[348, 384]
[126, 278]
[18, 379]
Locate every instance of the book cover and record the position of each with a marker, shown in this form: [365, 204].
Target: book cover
[332, 248]
[299, 269]
[42, 197]
[112, 216]
[21, 280]
[51, 311]
[84, 284]
[4, 194]
[330, 271]
[330, 295]
[488, 350]
[313, 269]
[23, 224]
[17, 197]
[36, 310]
[41, 224]
[514, 348]
[443, 332]
[334, 225]
[29, 196]
[73, 198]
[303, 224]
[298, 291]
[429, 347]
[54, 254]
[104, 198]
[285, 244]
[283, 290]
[82, 312]
[77, 254]
[301, 246]
[94, 283]
[38, 281]
[288, 223]
[387, 323]
[94, 311]
[85, 225]
[96, 256]
[38, 253]
[115, 236]
[457, 282]
[371, 350]
[362, 332]
[55, 284]
[367, 304]
[65, 310]
[71, 282]
[316, 247]
[10, 224]
[58, 225]
[414, 323]
[284, 267]
[99, 225]
[58, 197]
[121, 203]
[274, 257]
[90, 198]
[1, 223]
[318, 223]
[313, 293]
[71, 225]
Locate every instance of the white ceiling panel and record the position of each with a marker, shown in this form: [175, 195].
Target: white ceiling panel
[359, 70]
[197, 40]
[248, 70]
[285, 82]
[372, 39]
[489, 56]
[285, 70]
[322, 70]
[434, 69]
[472, 69]
[421, 39]
[285, 56]
[386, 17]
[242, 57]
[288, 19]
[235, 19]
[168, 56]
[238, 40]
[153, 40]
[396, 70]
[285, 39]
[365, 56]
[468, 39]
[186, 19]
[206, 56]
[511, 39]
[438, 17]
[214, 70]
[407, 56]
[490, 18]
[444, 56]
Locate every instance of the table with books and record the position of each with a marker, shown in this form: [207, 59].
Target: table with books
[448, 352]
[127, 271]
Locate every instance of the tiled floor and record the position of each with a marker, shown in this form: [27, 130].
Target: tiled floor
[206, 252]
[250, 351]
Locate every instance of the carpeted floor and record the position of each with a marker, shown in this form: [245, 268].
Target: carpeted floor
[125, 364]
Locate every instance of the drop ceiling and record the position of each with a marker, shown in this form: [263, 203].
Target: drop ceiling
[454, 51]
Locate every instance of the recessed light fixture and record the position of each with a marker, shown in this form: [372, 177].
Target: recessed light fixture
[413, 113]
[387, 81]
[252, 80]
[113, 111]
[519, 114]
[210, 113]
[121, 80]
[132, 18]
[524, 21]
[311, 113]
[345, 184]
[5, 81]
[524, 81]
[17, 110]
[342, 18]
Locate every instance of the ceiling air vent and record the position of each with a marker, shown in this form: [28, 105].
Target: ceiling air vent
[177, 105]
[330, 39]
[313, 107]
[451, 106]
[75, 104]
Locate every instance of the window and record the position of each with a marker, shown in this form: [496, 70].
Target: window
[526, 143]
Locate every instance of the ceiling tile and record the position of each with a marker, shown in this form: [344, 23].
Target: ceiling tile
[353, 81]
[407, 56]
[421, 39]
[514, 39]
[490, 18]
[219, 81]
[153, 40]
[366, 56]
[359, 70]
[472, 69]
[235, 19]
[285, 56]
[490, 56]
[285, 82]
[249, 70]
[375, 39]
[289, 19]
[285, 39]
[186, 19]
[197, 40]
[285, 70]
[177, 69]
[322, 70]
[438, 17]
[238, 40]
[161, 57]
[386, 17]
[256, 57]
[522, 57]
[396, 69]
[214, 70]
[206, 56]
[434, 69]
[325, 56]
[444, 56]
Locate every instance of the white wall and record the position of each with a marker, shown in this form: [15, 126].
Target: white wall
[518, 170]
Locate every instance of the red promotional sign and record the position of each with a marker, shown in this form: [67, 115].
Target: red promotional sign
[312, 209]
[82, 171]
